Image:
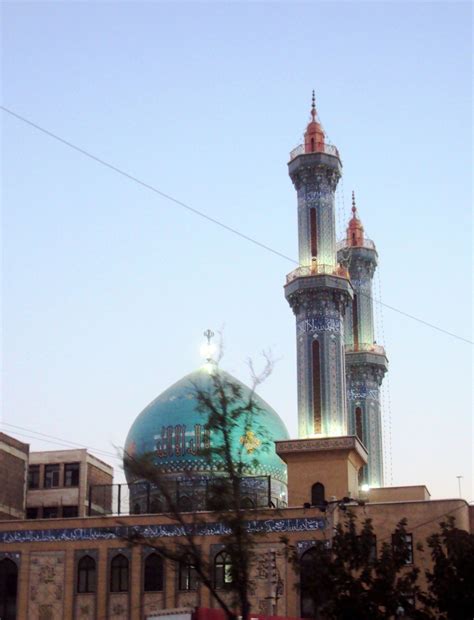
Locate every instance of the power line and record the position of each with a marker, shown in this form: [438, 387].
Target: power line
[147, 185]
[56, 440]
[204, 215]
[415, 318]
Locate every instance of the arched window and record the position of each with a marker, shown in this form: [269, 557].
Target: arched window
[188, 577]
[312, 592]
[317, 494]
[247, 503]
[223, 570]
[153, 579]
[119, 574]
[359, 424]
[313, 232]
[308, 604]
[155, 505]
[355, 322]
[185, 504]
[317, 417]
[86, 573]
[8, 589]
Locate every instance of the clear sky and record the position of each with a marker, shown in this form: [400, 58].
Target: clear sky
[107, 287]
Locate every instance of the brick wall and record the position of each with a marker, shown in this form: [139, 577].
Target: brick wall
[95, 475]
[101, 500]
[13, 471]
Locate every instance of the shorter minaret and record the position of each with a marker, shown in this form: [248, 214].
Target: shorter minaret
[366, 362]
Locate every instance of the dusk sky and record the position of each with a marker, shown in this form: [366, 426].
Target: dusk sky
[108, 286]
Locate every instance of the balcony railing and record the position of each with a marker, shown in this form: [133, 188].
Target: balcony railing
[316, 270]
[366, 243]
[365, 347]
[321, 147]
[195, 493]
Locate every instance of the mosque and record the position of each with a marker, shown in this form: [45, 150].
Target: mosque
[61, 550]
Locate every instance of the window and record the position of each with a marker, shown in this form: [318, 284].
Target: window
[33, 476]
[153, 581]
[86, 575]
[50, 512]
[71, 474]
[368, 545]
[185, 504]
[188, 579]
[155, 505]
[119, 574]
[409, 548]
[51, 476]
[404, 546]
[309, 608]
[247, 503]
[8, 589]
[31, 513]
[314, 235]
[358, 424]
[223, 570]
[70, 511]
[317, 416]
[355, 322]
[318, 494]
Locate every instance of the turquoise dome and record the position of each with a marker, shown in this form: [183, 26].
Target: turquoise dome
[173, 430]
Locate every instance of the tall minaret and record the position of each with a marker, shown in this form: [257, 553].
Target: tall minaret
[319, 290]
[366, 362]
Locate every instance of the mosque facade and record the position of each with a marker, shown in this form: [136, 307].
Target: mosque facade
[78, 565]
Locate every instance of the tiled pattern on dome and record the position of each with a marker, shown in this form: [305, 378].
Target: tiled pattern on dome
[173, 431]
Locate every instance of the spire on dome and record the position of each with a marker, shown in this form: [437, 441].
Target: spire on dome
[208, 348]
[313, 107]
[314, 137]
[355, 230]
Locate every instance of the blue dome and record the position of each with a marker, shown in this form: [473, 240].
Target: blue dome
[173, 430]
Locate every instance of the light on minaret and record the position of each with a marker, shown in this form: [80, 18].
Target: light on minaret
[319, 290]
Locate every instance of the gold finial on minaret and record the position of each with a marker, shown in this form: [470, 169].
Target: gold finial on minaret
[355, 230]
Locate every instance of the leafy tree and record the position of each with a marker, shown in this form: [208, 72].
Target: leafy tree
[227, 410]
[451, 581]
[345, 579]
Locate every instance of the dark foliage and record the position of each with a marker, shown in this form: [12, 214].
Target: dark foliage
[346, 579]
[451, 582]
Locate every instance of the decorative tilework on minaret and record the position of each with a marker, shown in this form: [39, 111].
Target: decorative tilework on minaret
[366, 362]
[319, 290]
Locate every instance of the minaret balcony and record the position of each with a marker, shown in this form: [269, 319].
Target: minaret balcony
[365, 347]
[344, 244]
[306, 271]
[320, 147]
[367, 355]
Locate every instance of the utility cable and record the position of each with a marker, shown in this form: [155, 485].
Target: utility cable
[56, 440]
[204, 215]
[148, 186]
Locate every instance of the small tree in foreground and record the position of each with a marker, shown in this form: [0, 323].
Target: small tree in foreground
[229, 415]
[345, 578]
[451, 581]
